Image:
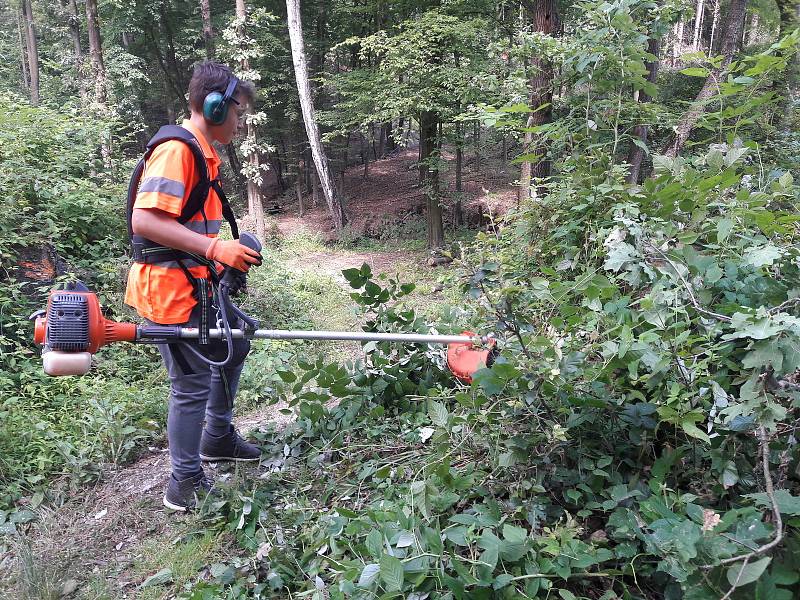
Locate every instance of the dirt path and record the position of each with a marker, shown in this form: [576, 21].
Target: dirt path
[333, 263]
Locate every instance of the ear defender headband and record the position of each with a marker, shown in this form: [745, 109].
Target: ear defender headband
[215, 106]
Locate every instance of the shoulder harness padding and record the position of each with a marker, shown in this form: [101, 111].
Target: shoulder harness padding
[144, 250]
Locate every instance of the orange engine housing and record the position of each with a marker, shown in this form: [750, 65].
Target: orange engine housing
[74, 322]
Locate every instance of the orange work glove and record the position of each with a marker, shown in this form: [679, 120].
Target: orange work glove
[233, 254]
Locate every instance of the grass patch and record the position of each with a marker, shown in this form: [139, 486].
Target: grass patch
[183, 558]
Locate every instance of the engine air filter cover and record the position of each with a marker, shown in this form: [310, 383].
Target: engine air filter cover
[68, 322]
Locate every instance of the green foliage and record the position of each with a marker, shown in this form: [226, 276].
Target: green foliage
[431, 64]
[647, 332]
[55, 215]
[49, 195]
[626, 441]
[71, 429]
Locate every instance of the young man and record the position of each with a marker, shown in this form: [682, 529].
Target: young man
[166, 291]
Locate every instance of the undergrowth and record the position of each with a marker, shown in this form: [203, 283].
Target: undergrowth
[635, 438]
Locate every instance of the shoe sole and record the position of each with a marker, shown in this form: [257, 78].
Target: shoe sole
[174, 507]
[224, 458]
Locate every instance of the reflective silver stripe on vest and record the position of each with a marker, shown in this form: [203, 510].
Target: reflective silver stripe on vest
[162, 185]
[200, 226]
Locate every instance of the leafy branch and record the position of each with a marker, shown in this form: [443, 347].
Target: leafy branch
[763, 444]
[688, 287]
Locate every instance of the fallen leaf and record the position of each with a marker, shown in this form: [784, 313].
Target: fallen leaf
[710, 519]
[263, 550]
[69, 586]
[163, 577]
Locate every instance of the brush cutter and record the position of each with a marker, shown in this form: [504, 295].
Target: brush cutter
[73, 328]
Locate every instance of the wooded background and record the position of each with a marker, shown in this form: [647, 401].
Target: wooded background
[385, 74]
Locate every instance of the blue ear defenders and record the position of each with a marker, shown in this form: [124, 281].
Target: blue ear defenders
[215, 106]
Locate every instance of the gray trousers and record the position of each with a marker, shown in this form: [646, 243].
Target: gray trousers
[198, 392]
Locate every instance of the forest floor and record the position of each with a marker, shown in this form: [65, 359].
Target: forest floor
[108, 538]
[390, 195]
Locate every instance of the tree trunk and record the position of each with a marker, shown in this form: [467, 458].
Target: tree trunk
[714, 26]
[677, 46]
[314, 188]
[476, 136]
[345, 152]
[274, 159]
[32, 47]
[788, 84]
[208, 30]
[298, 188]
[752, 32]
[255, 203]
[75, 34]
[23, 60]
[429, 172]
[334, 200]
[307, 168]
[545, 20]
[96, 52]
[239, 180]
[458, 210]
[698, 23]
[636, 153]
[169, 106]
[381, 142]
[390, 143]
[365, 154]
[75, 31]
[730, 45]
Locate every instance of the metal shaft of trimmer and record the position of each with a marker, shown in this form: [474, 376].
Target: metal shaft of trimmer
[190, 333]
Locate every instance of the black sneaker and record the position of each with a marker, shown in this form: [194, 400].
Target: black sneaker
[227, 447]
[185, 494]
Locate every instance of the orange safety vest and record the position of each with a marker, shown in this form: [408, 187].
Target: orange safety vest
[161, 292]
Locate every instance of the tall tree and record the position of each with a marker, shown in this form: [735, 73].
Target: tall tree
[545, 19]
[731, 42]
[255, 204]
[677, 41]
[96, 52]
[75, 30]
[788, 85]
[32, 46]
[636, 152]
[230, 149]
[429, 151]
[334, 201]
[698, 23]
[208, 30]
[75, 35]
[714, 26]
[23, 60]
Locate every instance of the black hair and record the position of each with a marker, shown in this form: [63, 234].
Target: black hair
[210, 76]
